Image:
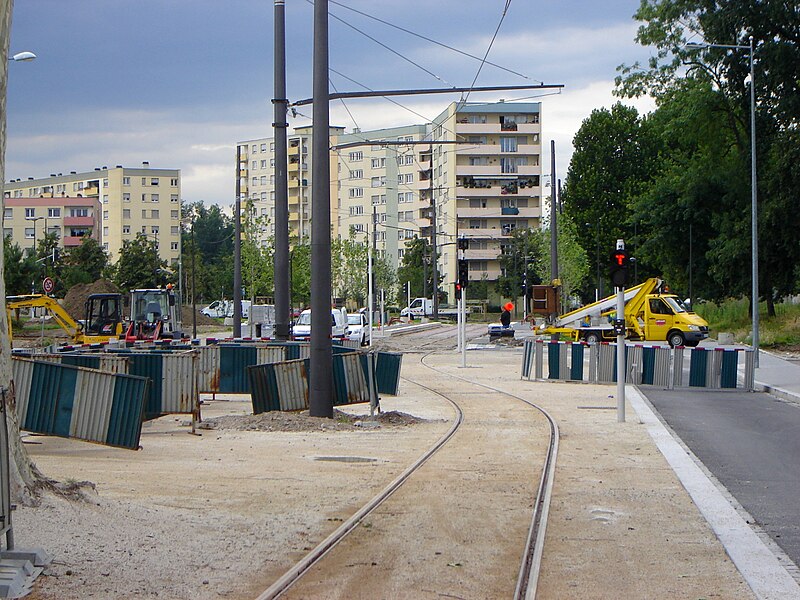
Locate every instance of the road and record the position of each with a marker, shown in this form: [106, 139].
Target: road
[751, 443]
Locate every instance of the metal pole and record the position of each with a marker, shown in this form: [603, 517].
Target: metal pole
[621, 358]
[370, 300]
[553, 213]
[194, 308]
[237, 252]
[463, 326]
[754, 201]
[321, 380]
[434, 265]
[280, 107]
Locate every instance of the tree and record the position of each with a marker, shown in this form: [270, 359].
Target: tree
[18, 268]
[521, 254]
[213, 235]
[416, 269]
[667, 25]
[300, 272]
[139, 265]
[85, 263]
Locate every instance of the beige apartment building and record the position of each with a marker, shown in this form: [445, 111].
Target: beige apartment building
[111, 205]
[478, 164]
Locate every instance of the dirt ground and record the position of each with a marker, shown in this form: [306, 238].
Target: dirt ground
[218, 515]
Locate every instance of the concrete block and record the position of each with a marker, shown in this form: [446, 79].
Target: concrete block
[37, 556]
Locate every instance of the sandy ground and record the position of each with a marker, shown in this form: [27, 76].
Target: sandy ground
[220, 515]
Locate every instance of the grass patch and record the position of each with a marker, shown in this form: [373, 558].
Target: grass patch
[733, 317]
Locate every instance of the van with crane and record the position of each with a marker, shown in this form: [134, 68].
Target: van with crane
[651, 314]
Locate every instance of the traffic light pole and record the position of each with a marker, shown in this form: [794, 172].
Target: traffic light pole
[621, 357]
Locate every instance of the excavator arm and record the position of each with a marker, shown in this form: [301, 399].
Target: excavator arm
[61, 316]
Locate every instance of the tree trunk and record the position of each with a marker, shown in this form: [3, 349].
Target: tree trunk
[23, 476]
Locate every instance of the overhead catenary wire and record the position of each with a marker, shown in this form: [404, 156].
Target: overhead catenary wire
[491, 43]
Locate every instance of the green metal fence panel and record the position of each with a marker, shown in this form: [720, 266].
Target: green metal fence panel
[730, 362]
[387, 372]
[698, 365]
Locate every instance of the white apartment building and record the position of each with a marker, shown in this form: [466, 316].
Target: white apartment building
[486, 182]
[112, 205]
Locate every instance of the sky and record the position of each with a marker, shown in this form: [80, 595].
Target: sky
[179, 82]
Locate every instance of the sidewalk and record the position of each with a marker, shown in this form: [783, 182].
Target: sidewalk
[778, 377]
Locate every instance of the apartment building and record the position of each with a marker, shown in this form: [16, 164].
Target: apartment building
[486, 185]
[256, 170]
[112, 205]
[479, 165]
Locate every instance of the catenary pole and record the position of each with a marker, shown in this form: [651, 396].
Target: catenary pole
[280, 104]
[237, 251]
[321, 380]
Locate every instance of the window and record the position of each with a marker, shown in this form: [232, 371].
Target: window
[29, 233]
[255, 180]
[409, 196]
[378, 163]
[126, 213]
[174, 182]
[174, 230]
[357, 174]
[78, 212]
[409, 159]
[476, 119]
[272, 147]
[154, 214]
[154, 181]
[356, 210]
[126, 197]
[144, 180]
[255, 164]
[105, 215]
[254, 149]
[126, 181]
[356, 192]
[144, 214]
[154, 197]
[355, 156]
[173, 197]
[173, 214]
[409, 178]
[399, 178]
[30, 212]
[264, 163]
[105, 231]
[173, 245]
[508, 144]
[144, 197]
[126, 230]
[105, 182]
[8, 213]
[154, 230]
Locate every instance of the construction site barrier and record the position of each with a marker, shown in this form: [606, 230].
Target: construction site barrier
[81, 403]
[661, 366]
[387, 372]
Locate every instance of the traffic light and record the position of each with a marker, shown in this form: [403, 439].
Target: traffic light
[458, 291]
[620, 261]
[463, 243]
[463, 272]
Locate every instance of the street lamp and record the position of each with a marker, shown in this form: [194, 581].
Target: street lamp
[22, 57]
[753, 181]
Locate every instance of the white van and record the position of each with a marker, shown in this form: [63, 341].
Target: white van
[302, 327]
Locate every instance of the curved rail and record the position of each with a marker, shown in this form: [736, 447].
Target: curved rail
[534, 545]
[531, 560]
[301, 567]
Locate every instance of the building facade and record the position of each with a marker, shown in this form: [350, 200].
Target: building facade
[111, 205]
[478, 165]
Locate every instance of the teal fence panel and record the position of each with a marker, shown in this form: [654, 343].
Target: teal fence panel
[233, 363]
[387, 372]
[698, 365]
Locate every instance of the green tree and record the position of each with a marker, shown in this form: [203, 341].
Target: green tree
[521, 253]
[415, 268]
[300, 272]
[19, 268]
[213, 233]
[85, 263]
[667, 25]
[139, 265]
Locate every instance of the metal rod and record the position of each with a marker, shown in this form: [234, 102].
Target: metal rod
[237, 251]
[621, 358]
[280, 107]
[754, 201]
[321, 380]
[418, 92]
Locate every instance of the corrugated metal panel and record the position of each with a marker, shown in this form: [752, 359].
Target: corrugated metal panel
[22, 372]
[146, 364]
[81, 403]
[677, 370]
[350, 385]
[292, 383]
[633, 364]
[208, 369]
[92, 409]
[387, 372]
[729, 371]
[553, 361]
[179, 387]
[576, 361]
[233, 362]
[5, 490]
[539, 360]
[270, 354]
[698, 365]
[527, 359]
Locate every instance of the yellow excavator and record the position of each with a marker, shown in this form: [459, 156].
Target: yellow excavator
[103, 316]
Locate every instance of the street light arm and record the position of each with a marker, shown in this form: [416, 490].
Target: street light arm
[22, 57]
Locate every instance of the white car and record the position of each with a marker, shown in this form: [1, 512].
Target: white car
[301, 330]
[358, 327]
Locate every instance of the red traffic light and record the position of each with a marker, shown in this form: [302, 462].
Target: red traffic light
[621, 258]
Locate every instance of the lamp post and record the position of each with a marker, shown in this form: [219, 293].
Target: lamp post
[753, 182]
[22, 57]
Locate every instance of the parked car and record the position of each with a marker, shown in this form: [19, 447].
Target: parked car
[302, 326]
[358, 327]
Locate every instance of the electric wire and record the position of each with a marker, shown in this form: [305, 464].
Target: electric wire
[491, 43]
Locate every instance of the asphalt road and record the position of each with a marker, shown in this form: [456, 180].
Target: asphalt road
[751, 443]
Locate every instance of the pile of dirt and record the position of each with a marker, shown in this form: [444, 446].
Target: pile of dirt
[200, 318]
[75, 300]
[302, 421]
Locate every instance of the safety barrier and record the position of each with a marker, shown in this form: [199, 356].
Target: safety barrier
[284, 385]
[77, 402]
[662, 366]
[387, 372]
[223, 367]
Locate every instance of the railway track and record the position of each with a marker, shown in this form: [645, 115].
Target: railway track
[329, 569]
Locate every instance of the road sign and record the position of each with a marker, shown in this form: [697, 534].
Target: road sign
[48, 285]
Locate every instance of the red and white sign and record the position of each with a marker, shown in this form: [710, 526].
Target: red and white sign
[48, 285]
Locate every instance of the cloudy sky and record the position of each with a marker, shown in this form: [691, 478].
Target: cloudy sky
[179, 82]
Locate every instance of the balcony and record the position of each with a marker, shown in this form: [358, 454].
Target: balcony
[78, 221]
[487, 254]
[509, 210]
[491, 233]
[477, 128]
[71, 241]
